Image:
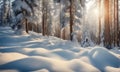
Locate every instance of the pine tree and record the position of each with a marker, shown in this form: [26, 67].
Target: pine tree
[23, 12]
[107, 42]
[5, 12]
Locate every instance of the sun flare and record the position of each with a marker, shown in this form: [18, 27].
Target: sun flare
[96, 11]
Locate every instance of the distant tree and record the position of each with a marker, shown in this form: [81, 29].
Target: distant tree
[5, 10]
[44, 17]
[1, 3]
[23, 10]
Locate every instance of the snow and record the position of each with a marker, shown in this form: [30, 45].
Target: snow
[8, 57]
[22, 5]
[37, 53]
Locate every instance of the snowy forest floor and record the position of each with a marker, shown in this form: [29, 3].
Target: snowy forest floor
[37, 53]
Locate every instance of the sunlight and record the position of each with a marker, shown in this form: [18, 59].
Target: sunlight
[96, 11]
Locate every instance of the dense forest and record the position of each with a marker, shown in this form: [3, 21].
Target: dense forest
[88, 22]
[59, 35]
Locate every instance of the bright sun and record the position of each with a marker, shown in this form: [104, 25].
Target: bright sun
[96, 11]
[90, 7]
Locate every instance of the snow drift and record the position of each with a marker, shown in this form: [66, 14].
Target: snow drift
[35, 53]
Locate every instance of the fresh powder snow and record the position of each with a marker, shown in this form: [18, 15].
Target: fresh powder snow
[36, 53]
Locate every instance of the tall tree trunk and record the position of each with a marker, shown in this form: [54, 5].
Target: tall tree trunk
[43, 18]
[117, 5]
[46, 17]
[110, 21]
[99, 36]
[107, 42]
[116, 23]
[71, 18]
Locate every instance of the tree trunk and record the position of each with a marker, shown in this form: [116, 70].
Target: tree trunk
[71, 18]
[116, 23]
[117, 5]
[26, 25]
[99, 36]
[107, 42]
[110, 22]
[4, 13]
[43, 17]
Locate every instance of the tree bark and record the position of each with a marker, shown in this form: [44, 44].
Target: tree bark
[116, 23]
[43, 17]
[99, 36]
[71, 18]
[26, 25]
[107, 42]
[117, 1]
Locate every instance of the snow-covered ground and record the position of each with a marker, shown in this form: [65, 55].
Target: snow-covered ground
[35, 53]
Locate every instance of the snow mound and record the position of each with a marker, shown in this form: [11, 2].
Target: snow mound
[8, 57]
[36, 53]
[101, 58]
[112, 69]
[66, 54]
[36, 63]
[79, 66]
[96, 60]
